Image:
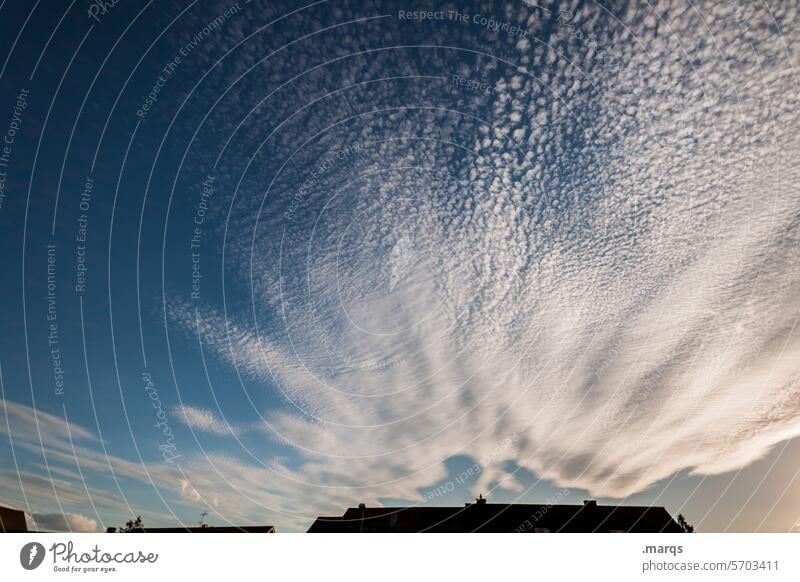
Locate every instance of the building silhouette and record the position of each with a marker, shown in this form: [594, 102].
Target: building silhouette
[12, 520]
[501, 518]
[202, 529]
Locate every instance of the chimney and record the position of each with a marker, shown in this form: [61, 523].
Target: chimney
[590, 503]
[363, 508]
[481, 500]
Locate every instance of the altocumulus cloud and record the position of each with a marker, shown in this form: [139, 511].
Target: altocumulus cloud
[598, 255]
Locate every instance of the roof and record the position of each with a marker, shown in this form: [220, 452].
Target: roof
[205, 529]
[500, 517]
[12, 520]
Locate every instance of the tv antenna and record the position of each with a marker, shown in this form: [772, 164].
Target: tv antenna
[203, 518]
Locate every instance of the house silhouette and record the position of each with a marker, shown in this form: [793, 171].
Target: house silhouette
[501, 518]
[202, 529]
[12, 520]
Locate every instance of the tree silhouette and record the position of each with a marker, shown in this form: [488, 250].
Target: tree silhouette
[684, 525]
[133, 525]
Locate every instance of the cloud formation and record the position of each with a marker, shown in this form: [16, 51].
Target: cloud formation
[596, 252]
[64, 475]
[69, 522]
[571, 252]
[203, 420]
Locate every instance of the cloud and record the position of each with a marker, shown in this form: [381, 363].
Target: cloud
[50, 425]
[203, 420]
[597, 254]
[101, 480]
[70, 522]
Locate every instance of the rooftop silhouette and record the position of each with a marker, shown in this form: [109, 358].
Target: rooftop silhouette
[501, 518]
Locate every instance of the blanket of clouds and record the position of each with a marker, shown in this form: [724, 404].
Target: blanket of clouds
[560, 240]
[588, 242]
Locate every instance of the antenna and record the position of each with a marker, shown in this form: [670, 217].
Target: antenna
[203, 518]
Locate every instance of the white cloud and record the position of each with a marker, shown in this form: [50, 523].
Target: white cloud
[204, 420]
[70, 522]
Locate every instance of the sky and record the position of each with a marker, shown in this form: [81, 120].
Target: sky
[269, 260]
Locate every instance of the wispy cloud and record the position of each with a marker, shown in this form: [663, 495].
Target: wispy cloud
[204, 420]
[232, 490]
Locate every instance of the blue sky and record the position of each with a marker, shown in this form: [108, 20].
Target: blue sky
[270, 260]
